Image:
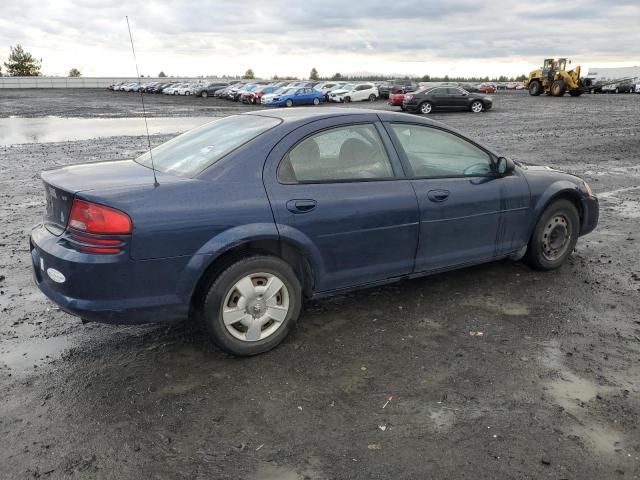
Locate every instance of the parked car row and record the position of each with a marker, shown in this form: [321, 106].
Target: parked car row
[199, 89]
[299, 92]
[424, 97]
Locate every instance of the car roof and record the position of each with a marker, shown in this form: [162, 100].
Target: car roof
[290, 115]
[296, 117]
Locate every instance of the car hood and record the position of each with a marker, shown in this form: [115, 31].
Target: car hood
[340, 92]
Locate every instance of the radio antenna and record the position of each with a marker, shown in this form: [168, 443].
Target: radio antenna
[144, 112]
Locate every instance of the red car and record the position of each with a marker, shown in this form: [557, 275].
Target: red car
[486, 88]
[395, 99]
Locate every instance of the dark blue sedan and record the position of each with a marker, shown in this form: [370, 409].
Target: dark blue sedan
[253, 213]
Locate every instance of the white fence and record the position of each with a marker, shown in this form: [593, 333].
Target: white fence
[80, 82]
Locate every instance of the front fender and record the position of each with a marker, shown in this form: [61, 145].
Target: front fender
[217, 246]
[552, 191]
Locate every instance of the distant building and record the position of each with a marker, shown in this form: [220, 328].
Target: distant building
[606, 74]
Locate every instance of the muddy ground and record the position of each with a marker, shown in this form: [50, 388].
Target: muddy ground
[384, 383]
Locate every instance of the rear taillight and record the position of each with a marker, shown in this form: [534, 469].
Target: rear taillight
[97, 219]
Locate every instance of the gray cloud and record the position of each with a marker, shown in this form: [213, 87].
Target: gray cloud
[402, 31]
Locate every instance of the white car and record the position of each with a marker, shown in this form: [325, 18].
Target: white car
[185, 89]
[172, 89]
[326, 87]
[355, 93]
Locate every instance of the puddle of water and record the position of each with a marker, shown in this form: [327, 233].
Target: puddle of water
[15, 130]
[19, 358]
[442, 419]
[273, 472]
[568, 392]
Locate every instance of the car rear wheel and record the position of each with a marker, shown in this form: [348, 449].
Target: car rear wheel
[289, 103]
[555, 236]
[477, 106]
[372, 97]
[316, 101]
[204, 94]
[252, 305]
[426, 108]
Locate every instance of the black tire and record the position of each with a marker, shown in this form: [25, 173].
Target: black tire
[425, 108]
[535, 88]
[288, 103]
[204, 94]
[540, 248]
[347, 99]
[477, 106]
[372, 97]
[316, 101]
[558, 88]
[576, 93]
[211, 315]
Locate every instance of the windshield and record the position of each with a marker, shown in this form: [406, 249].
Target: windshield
[195, 150]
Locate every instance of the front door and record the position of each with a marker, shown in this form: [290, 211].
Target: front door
[336, 192]
[459, 196]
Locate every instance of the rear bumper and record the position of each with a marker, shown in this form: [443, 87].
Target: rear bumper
[590, 214]
[107, 288]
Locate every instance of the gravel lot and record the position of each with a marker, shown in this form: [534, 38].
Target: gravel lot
[385, 383]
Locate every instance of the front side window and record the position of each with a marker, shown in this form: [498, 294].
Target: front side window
[353, 152]
[195, 150]
[436, 153]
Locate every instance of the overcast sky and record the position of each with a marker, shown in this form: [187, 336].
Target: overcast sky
[436, 37]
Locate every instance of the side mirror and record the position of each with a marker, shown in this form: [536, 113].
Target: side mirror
[505, 166]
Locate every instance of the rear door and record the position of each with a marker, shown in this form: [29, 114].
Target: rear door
[468, 214]
[336, 189]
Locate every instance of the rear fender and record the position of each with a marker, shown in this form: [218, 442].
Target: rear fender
[217, 246]
[237, 236]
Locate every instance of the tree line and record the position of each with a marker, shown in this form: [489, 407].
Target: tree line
[23, 64]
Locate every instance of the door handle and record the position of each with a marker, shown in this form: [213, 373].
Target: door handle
[438, 195]
[301, 205]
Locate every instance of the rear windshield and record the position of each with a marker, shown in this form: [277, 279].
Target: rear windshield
[195, 150]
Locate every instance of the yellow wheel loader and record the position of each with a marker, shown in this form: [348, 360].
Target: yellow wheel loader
[554, 79]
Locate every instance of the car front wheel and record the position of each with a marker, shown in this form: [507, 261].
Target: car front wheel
[555, 236]
[204, 94]
[289, 103]
[252, 305]
[477, 106]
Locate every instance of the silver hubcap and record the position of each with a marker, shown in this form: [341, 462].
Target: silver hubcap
[556, 237]
[426, 108]
[476, 107]
[255, 307]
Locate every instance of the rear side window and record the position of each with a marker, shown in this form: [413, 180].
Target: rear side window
[436, 153]
[195, 150]
[349, 153]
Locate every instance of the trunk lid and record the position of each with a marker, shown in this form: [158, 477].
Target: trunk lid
[62, 184]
